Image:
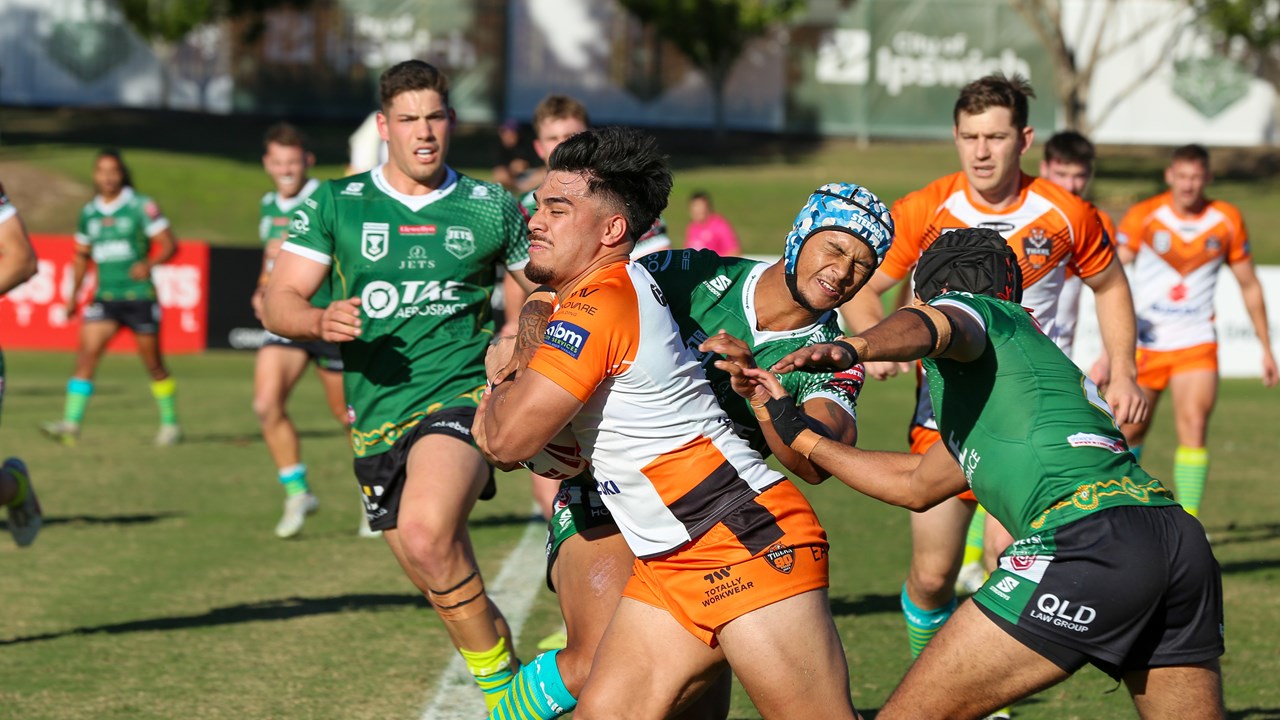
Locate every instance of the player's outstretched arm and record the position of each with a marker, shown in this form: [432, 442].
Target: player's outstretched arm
[820, 414]
[1119, 337]
[911, 481]
[17, 257]
[865, 309]
[287, 309]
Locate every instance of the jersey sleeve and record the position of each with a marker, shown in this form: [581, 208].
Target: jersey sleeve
[979, 308]
[155, 220]
[910, 215]
[311, 230]
[593, 336]
[1132, 228]
[1238, 246]
[1093, 249]
[841, 388]
[515, 232]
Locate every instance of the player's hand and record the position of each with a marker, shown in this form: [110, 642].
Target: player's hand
[140, 270]
[738, 358]
[824, 357]
[1127, 400]
[885, 369]
[1100, 373]
[341, 321]
[481, 437]
[69, 309]
[498, 356]
[1270, 375]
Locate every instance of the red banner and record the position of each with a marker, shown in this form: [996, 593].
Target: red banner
[32, 316]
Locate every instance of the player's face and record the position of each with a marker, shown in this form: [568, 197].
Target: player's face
[1072, 177]
[108, 177]
[1187, 180]
[990, 147]
[553, 131]
[416, 127]
[287, 165]
[699, 210]
[832, 266]
[566, 233]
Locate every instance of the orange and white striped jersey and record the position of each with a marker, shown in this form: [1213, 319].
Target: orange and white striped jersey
[666, 460]
[1069, 297]
[1175, 268]
[1048, 228]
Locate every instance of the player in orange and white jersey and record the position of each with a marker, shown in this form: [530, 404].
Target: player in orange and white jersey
[1177, 242]
[731, 557]
[1050, 230]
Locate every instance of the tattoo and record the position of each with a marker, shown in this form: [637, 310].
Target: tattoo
[533, 323]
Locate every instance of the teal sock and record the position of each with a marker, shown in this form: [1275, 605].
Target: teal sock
[922, 625]
[294, 479]
[1137, 452]
[79, 391]
[537, 693]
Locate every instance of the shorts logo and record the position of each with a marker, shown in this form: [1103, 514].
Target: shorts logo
[460, 242]
[781, 557]
[718, 575]
[1061, 613]
[300, 225]
[1006, 586]
[1037, 248]
[1029, 567]
[566, 337]
[373, 240]
[1115, 445]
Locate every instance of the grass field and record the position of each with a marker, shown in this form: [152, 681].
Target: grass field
[158, 591]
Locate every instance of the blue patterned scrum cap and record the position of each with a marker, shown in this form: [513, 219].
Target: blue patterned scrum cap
[841, 206]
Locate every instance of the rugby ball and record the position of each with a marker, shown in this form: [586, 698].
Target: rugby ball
[560, 459]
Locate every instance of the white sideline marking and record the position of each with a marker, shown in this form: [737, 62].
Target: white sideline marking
[456, 696]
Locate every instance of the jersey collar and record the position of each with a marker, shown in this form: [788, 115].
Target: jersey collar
[416, 202]
[108, 208]
[288, 204]
[759, 337]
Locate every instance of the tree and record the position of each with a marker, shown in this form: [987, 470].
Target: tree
[1251, 29]
[1074, 67]
[712, 33]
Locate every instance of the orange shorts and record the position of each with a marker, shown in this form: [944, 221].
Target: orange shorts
[769, 549]
[923, 438]
[1155, 367]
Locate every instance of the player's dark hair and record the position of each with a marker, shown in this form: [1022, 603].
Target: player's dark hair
[409, 76]
[286, 135]
[1190, 153]
[126, 178]
[992, 91]
[1071, 148]
[558, 107]
[700, 195]
[623, 166]
[972, 260]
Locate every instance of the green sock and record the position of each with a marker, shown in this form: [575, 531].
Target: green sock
[1190, 470]
[973, 539]
[79, 391]
[537, 693]
[922, 625]
[164, 391]
[492, 671]
[294, 479]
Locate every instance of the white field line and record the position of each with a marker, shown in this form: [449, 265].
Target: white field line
[456, 697]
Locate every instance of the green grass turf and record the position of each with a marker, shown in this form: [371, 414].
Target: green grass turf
[157, 589]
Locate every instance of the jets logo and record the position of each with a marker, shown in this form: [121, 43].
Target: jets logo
[460, 242]
[373, 240]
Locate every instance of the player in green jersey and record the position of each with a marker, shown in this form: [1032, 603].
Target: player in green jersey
[281, 362]
[409, 250]
[116, 231]
[17, 265]
[1029, 433]
[837, 240]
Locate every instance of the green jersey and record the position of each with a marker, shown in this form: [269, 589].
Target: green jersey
[1036, 441]
[274, 214]
[422, 266]
[118, 234]
[707, 292]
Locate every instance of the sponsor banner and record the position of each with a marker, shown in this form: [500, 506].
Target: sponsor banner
[233, 276]
[1239, 354]
[32, 316]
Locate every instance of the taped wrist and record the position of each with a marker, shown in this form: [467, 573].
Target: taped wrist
[940, 325]
[462, 601]
[786, 418]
